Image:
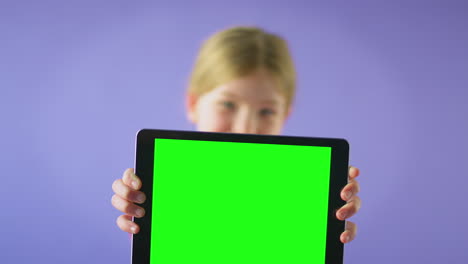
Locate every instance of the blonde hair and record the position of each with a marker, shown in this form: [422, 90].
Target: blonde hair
[240, 51]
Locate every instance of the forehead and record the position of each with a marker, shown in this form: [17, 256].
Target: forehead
[254, 88]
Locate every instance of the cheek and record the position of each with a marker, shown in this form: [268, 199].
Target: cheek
[270, 127]
[211, 120]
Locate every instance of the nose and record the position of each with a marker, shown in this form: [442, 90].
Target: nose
[244, 122]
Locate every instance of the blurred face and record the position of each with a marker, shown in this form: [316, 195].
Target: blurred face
[252, 104]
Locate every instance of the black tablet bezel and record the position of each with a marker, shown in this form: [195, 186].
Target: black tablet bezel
[144, 169]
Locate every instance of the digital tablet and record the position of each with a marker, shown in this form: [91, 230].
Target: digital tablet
[220, 198]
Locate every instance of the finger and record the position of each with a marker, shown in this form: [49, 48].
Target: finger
[349, 190]
[131, 180]
[128, 193]
[350, 232]
[349, 209]
[353, 172]
[127, 207]
[125, 223]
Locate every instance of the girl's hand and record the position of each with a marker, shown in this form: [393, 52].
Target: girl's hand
[126, 196]
[353, 203]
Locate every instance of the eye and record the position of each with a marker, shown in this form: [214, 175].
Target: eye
[228, 105]
[267, 112]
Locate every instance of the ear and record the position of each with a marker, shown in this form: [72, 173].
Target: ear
[191, 107]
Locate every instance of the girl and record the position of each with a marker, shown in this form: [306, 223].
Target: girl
[243, 81]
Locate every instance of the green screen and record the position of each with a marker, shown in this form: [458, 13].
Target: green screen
[225, 202]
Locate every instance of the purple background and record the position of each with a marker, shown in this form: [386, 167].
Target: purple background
[78, 79]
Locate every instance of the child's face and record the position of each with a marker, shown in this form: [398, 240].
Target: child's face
[252, 104]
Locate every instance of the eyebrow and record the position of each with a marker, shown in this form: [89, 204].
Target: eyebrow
[272, 101]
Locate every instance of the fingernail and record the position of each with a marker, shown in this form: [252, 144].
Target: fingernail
[347, 239]
[139, 212]
[140, 198]
[342, 215]
[133, 229]
[135, 184]
[348, 195]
